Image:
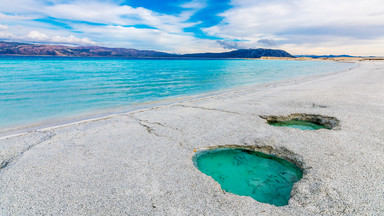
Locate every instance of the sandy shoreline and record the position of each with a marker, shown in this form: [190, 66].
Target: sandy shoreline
[139, 163]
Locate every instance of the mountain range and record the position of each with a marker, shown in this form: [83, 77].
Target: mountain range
[14, 48]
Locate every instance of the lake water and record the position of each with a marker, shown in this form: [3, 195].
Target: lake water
[38, 89]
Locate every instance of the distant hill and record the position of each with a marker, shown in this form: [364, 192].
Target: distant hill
[243, 53]
[13, 48]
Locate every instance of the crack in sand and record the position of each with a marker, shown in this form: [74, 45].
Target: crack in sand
[144, 124]
[163, 125]
[151, 130]
[5, 163]
[166, 126]
[206, 108]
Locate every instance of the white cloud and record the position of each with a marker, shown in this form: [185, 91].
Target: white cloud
[299, 26]
[195, 4]
[166, 32]
[20, 6]
[339, 46]
[315, 23]
[98, 11]
[152, 39]
[3, 27]
[37, 36]
[72, 40]
[4, 34]
[107, 13]
[14, 17]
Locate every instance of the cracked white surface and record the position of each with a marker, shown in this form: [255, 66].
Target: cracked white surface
[139, 163]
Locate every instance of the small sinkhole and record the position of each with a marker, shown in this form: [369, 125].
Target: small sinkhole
[265, 178]
[303, 121]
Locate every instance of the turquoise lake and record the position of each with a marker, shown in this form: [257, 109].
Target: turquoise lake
[38, 89]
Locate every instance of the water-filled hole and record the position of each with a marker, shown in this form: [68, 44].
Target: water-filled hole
[265, 178]
[299, 124]
[303, 121]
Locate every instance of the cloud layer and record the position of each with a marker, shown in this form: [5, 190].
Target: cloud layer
[36, 36]
[183, 26]
[306, 26]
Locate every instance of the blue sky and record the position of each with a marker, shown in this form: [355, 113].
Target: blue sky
[353, 27]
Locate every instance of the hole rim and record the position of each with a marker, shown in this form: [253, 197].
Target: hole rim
[328, 122]
[265, 151]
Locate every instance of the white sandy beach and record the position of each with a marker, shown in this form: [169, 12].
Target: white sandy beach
[140, 163]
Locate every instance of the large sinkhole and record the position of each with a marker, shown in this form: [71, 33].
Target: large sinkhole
[303, 121]
[265, 178]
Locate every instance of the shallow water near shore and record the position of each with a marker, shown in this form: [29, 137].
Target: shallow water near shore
[37, 89]
[263, 177]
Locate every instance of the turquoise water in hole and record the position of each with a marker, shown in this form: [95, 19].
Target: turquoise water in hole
[37, 89]
[263, 177]
[299, 124]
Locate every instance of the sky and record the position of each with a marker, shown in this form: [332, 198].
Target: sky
[354, 27]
